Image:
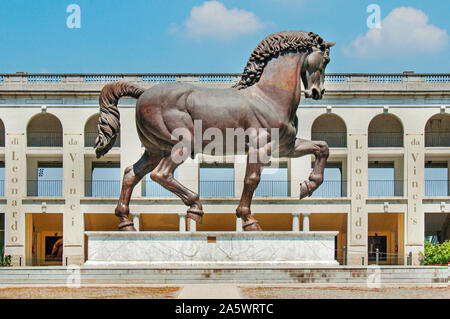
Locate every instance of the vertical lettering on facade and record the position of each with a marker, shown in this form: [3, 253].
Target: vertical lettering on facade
[72, 173]
[13, 177]
[358, 163]
[415, 161]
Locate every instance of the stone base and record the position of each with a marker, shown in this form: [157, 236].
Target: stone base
[211, 249]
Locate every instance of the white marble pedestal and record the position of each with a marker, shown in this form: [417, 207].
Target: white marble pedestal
[210, 249]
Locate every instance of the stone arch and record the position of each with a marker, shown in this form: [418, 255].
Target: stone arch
[91, 132]
[437, 130]
[2, 134]
[385, 130]
[330, 128]
[44, 130]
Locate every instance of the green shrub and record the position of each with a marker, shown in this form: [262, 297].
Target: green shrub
[437, 253]
[4, 260]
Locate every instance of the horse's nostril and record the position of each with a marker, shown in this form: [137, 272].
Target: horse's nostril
[323, 92]
[315, 93]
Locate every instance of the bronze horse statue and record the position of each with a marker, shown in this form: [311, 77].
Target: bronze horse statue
[266, 97]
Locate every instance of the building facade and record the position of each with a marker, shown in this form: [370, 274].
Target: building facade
[386, 184]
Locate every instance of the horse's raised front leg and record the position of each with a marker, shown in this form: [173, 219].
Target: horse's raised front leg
[132, 175]
[163, 175]
[251, 181]
[320, 150]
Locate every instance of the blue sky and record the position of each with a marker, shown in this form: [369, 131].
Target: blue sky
[159, 36]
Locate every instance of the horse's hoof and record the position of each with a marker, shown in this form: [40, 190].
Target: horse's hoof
[127, 226]
[195, 214]
[304, 190]
[251, 225]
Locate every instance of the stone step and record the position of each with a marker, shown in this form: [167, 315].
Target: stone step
[358, 275]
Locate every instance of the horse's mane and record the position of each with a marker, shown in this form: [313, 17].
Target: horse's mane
[273, 45]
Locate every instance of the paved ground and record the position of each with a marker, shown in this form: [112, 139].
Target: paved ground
[210, 291]
[226, 291]
[345, 292]
[88, 292]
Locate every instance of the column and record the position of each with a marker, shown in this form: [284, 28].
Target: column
[87, 177]
[295, 222]
[15, 190]
[192, 225]
[398, 177]
[188, 174]
[300, 168]
[240, 165]
[182, 222]
[306, 222]
[448, 178]
[136, 217]
[344, 178]
[415, 228]
[131, 149]
[239, 224]
[73, 217]
[358, 219]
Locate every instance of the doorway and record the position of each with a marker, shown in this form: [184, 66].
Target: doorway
[44, 237]
[386, 233]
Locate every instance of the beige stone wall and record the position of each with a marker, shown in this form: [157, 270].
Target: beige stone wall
[356, 119]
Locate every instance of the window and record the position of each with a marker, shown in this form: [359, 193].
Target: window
[333, 185]
[382, 182]
[436, 179]
[105, 180]
[216, 180]
[48, 182]
[274, 182]
[150, 188]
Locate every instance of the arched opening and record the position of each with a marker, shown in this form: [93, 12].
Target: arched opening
[45, 130]
[331, 129]
[2, 134]
[385, 130]
[91, 132]
[437, 131]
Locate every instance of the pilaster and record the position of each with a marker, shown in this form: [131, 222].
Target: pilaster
[15, 190]
[415, 227]
[358, 219]
[73, 188]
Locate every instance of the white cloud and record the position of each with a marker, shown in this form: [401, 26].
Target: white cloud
[405, 30]
[213, 19]
[173, 28]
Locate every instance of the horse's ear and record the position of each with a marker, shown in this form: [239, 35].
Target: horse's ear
[330, 44]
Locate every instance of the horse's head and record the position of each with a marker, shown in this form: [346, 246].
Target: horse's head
[313, 70]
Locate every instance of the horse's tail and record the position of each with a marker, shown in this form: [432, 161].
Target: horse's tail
[109, 120]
